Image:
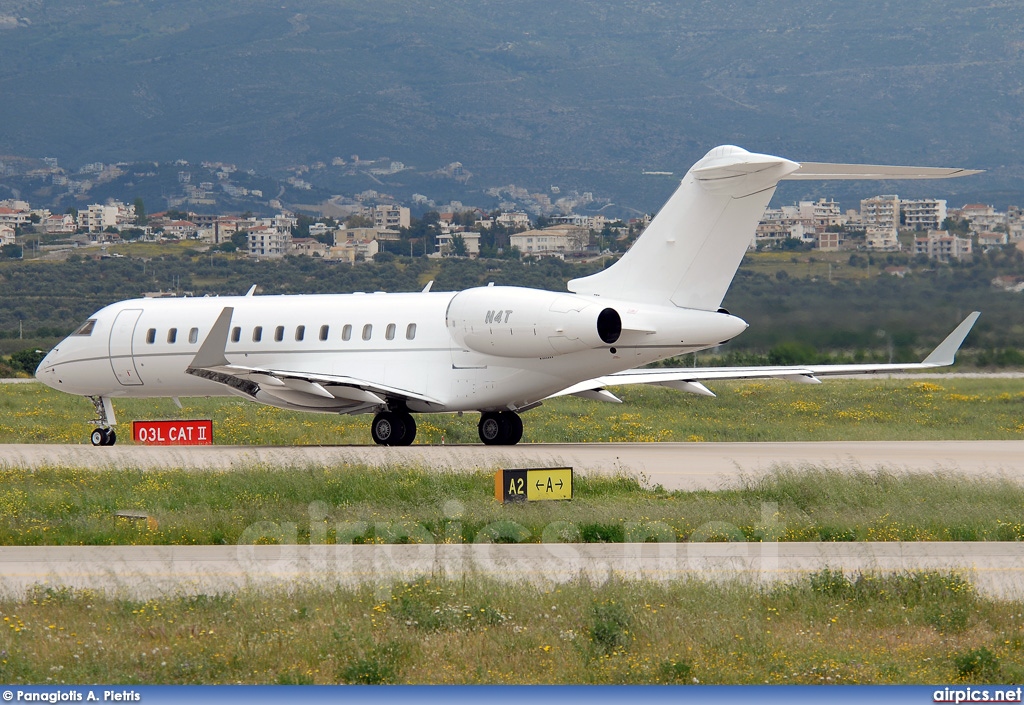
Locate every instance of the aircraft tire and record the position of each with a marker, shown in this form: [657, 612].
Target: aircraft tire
[409, 424]
[493, 428]
[103, 437]
[514, 424]
[387, 429]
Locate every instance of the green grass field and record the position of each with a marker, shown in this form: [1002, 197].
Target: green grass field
[64, 506]
[858, 409]
[830, 628]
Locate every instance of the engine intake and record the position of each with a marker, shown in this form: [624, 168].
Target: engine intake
[514, 322]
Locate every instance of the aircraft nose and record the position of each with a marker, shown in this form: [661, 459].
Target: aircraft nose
[45, 372]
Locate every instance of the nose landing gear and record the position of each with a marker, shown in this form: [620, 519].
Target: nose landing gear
[104, 435]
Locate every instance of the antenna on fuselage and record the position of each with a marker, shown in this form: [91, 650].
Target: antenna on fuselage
[252, 291]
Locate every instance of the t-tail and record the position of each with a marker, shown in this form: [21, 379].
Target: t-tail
[690, 252]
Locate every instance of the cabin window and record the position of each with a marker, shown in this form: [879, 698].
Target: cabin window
[172, 335]
[86, 328]
[367, 331]
[410, 331]
[300, 333]
[236, 334]
[324, 330]
[151, 336]
[279, 334]
[389, 333]
[346, 332]
[257, 334]
[193, 335]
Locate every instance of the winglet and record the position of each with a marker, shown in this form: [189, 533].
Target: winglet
[211, 352]
[945, 353]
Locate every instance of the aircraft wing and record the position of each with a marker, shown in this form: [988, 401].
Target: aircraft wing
[689, 379]
[293, 388]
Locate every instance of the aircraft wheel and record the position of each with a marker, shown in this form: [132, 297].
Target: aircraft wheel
[493, 428]
[514, 424]
[409, 423]
[387, 429]
[103, 437]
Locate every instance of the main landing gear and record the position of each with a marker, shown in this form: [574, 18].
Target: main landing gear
[104, 435]
[500, 428]
[393, 428]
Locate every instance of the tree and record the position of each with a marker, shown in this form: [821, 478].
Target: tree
[241, 240]
[140, 212]
[12, 251]
[358, 221]
[459, 246]
[27, 360]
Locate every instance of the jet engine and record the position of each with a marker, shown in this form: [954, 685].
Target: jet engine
[514, 322]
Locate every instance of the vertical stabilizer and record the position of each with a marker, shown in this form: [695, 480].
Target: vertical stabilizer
[690, 252]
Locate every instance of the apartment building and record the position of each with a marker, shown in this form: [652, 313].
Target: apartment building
[390, 217]
[983, 217]
[883, 239]
[269, 241]
[923, 214]
[558, 240]
[943, 246]
[880, 212]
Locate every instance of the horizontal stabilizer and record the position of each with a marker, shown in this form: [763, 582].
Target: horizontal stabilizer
[811, 171]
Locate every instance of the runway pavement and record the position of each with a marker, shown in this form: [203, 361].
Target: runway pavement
[682, 466]
[142, 572]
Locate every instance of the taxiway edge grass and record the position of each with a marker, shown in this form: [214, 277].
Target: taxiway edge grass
[358, 504]
[875, 409]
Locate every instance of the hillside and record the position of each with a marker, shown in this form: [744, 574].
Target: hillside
[579, 93]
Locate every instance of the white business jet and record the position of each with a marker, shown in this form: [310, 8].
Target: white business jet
[498, 350]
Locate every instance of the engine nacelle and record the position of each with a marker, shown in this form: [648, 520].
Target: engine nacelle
[513, 322]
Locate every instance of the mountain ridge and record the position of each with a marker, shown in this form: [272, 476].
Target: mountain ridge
[581, 93]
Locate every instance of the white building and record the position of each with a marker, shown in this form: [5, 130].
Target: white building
[590, 222]
[97, 217]
[14, 218]
[558, 240]
[513, 219]
[942, 246]
[59, 224]
[446, 242]
[820, 214]
[882, 238]
[923, 214]
[6, 235]
[991, 240]
[269, 241]
[983, 217]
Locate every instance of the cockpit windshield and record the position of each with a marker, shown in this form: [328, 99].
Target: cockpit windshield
[86, 328]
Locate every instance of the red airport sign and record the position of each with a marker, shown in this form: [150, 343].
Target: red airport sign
[191, 432]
